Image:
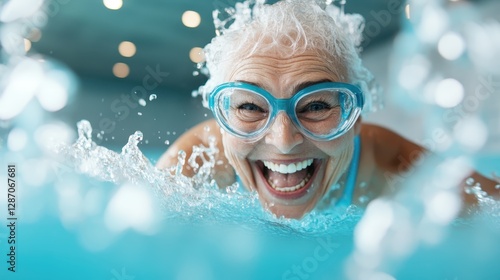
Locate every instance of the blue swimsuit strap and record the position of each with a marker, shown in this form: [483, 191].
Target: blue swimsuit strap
[350, 183]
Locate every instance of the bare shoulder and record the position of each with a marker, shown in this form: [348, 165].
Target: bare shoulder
[390, 151]
[386, 155]
[199, 135]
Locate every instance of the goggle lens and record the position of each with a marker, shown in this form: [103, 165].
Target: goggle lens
[247, 111]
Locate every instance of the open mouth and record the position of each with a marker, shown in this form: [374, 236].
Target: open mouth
[288, 180]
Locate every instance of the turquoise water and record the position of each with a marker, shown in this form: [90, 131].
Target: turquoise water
[103, 214]
[89, 212]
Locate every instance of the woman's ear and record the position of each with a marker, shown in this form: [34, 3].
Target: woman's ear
[357, 126]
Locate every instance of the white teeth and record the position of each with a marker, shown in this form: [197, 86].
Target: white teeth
[290, 168]
[294, 188]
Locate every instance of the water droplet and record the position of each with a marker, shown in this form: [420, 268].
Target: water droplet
[168, 132]
[363, 184]
[138, 135]
[470, 181]
[152, 97]
[207, 128]
[147, 141]
[135, 138]
[181, 159]
[142, 102]
[112, 137]
[139, 113]
[174, 133]
[196, 73]
[99, 136]
[204, 71]
[233, 188]
[84, 129]
[206, 115]
[167, 142]
[342, 6]
[363, 199]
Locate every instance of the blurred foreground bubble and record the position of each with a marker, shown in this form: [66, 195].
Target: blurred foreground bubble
[51, 83]
[49, 136]
[20, 87]
[54, 91]
[433, 22]
[451, 46]
[373, 226]
[449, 93]
[17, 139]
[132, 207]
[16, 9]
[414, 72]
[443, 207]
[483, 40]
[471, 132]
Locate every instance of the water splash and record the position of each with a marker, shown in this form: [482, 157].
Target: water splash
[197, 198]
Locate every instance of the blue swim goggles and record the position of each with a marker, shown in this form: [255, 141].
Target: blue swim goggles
[322, 112]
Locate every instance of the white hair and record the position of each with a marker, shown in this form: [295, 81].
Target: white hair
[289, 27]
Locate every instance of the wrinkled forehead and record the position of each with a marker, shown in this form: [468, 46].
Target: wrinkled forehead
[262, 55]
[282, 69]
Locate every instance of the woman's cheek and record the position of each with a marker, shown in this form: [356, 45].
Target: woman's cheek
[236, 152]
[236, 148]
[335, 147]
[233, 152]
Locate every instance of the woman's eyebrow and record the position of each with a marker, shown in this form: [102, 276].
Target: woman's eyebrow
[250, 83]
[304, 85]
[297, 88]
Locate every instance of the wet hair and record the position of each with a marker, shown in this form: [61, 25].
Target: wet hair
[289, 28]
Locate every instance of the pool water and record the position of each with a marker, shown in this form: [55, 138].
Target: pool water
[83, 211]
[111, 215]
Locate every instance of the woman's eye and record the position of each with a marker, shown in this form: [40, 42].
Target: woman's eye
[250, 107]
[316, 106]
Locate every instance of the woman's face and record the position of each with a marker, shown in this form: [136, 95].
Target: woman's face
[283, 143]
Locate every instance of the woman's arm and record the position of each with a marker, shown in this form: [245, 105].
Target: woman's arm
[487, 185]
[397, 155]
[200, 135]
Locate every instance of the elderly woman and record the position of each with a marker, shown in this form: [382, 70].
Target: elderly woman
[287, 88]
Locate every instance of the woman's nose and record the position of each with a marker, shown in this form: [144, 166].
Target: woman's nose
[283, 134]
